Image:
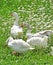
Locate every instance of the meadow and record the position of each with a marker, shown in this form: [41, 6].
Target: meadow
[39, 14]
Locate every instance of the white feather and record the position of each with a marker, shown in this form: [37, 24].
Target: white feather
[19, 45]
[38, 41]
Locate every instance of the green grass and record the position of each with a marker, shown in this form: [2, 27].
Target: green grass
[34, 12]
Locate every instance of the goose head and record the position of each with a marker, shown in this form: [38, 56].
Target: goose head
[9, 39]
[15, 15]
[24, 24]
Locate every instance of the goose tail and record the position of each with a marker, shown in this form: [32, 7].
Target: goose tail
[32, 48]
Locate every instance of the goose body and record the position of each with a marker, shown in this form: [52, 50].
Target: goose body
[38, 41]
[19, 45]
[16, 31]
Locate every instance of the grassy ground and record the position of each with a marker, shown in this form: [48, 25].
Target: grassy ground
[33, 12]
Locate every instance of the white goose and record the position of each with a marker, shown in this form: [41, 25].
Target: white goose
[18, 45]
[16, 30]
[38, 34]
[38, 41]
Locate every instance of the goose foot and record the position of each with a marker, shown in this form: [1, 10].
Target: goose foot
[14, 52]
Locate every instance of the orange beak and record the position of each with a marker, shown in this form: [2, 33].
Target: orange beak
[22, 25]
